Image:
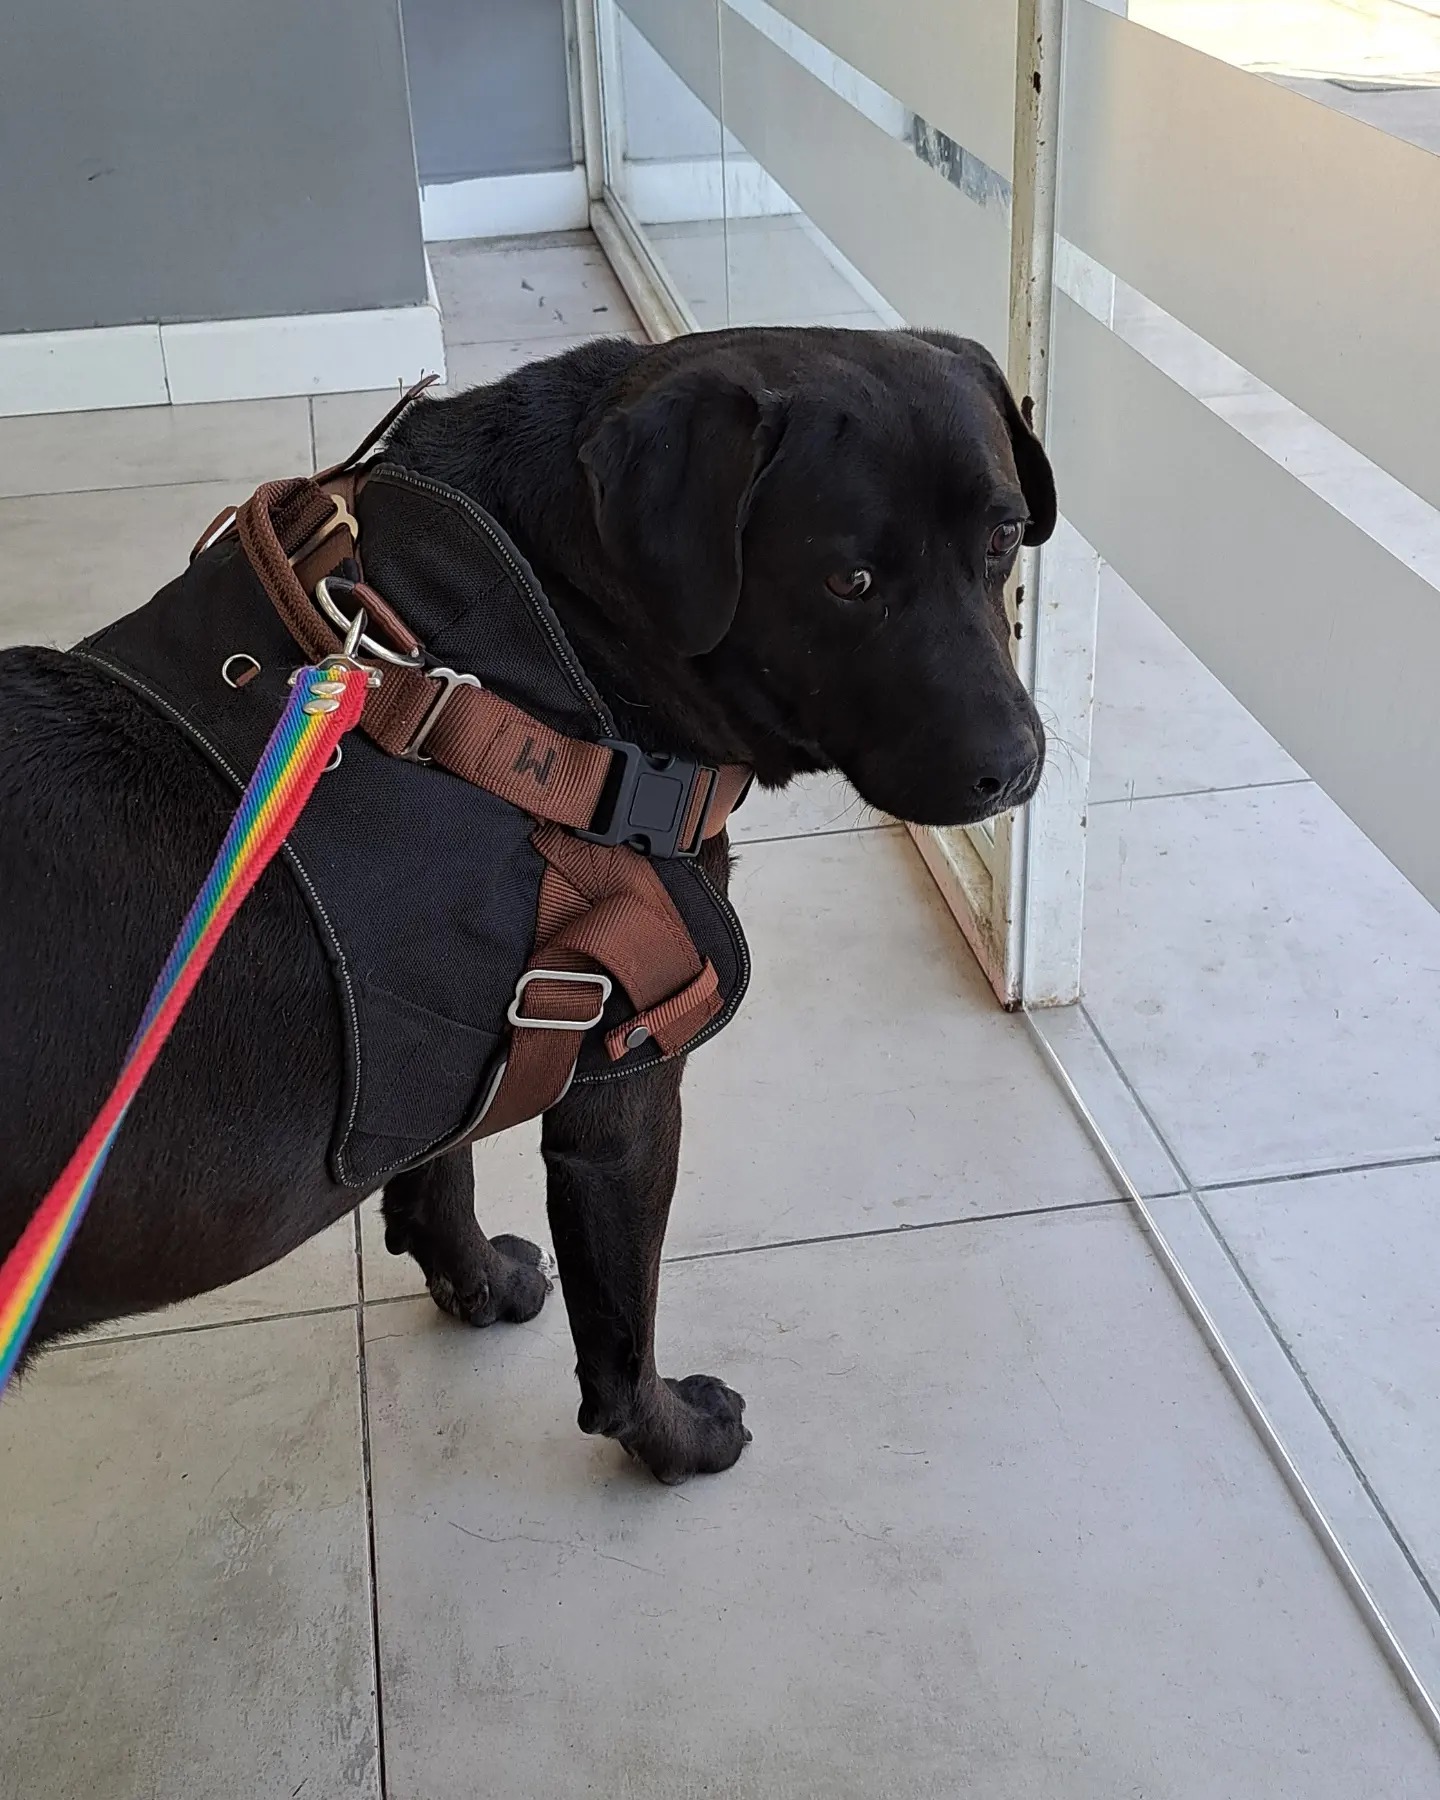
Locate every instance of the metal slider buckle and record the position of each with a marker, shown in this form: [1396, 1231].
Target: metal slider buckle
[575, 976]
[452, 680]
[646, 800]
[342, 519]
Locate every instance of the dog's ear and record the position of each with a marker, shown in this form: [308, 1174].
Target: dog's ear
[673, 472]
[1037, 482]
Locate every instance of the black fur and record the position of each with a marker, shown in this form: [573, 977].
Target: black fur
[683, 506]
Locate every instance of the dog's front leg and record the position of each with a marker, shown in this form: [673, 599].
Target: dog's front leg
[430, 1212]
[611, 1154]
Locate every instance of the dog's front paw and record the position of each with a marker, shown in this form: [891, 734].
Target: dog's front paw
[528, 1277]
[513, 1287]
[699, 1430]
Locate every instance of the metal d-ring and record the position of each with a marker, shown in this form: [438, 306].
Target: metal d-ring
[239, 681]
[335, 613]
[337, 756]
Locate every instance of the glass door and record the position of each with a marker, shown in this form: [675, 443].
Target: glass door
[827, 164]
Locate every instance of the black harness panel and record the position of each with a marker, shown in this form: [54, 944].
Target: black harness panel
[422, 888]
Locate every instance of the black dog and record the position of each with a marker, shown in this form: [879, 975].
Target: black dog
[785, 548]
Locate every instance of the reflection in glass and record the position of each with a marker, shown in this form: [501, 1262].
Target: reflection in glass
[666, 167]
[1378, 60]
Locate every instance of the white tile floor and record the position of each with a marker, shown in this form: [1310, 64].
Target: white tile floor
[1280, 1019]
[1003, 1530]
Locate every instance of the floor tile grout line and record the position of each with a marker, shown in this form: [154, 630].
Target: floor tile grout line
[1237, 787]
[843, 1237]
[834, 1237]
[1189, 1190]
[1123, 1076]
[905, 1230]
[83, 1342]
[165, 367]
[367, 1475]
[1418, 1161]
[1195, 1195]
[142, 487]
[562, 338]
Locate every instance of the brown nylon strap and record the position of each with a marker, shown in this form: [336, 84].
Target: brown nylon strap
[494, 745]
[334, 543]
[283, 512]
[634, 942]
[491, 744]
[672, 1022]
[611, 912]
[601, 910]
[289, 510]
[731, 782]
[539, 1063]
[335, 547]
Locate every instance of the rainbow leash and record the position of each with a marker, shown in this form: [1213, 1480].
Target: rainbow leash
[324, 704]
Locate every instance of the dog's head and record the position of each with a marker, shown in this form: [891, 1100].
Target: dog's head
[835, 514]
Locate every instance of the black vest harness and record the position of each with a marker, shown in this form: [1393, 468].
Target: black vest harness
[471, 867]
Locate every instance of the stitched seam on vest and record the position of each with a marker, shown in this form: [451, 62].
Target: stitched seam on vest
[121, 673]
[433, 1148]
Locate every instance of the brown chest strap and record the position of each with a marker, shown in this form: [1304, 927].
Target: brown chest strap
[604, 916]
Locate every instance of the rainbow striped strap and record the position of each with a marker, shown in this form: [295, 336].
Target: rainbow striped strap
[324, 704]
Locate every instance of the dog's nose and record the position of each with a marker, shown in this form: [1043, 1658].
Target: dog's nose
[1004, 782]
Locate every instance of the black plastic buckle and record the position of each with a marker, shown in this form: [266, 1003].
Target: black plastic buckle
[646, 799]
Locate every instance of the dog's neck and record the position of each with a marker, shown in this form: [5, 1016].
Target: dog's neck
[514, 448]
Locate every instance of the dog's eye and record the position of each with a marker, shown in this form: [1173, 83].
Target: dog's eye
[851, 584]
[1003, 539]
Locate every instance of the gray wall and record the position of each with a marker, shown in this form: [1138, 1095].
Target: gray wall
[488, 87]
[203, 159]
